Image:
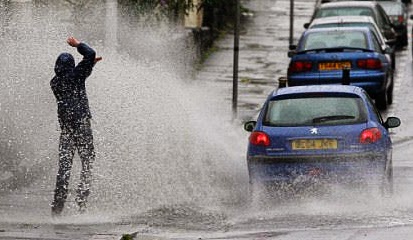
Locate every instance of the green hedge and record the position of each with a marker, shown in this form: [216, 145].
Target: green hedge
[217, 13]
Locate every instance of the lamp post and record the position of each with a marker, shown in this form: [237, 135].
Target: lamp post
[111, 24]
[291, 22]
[236, 57]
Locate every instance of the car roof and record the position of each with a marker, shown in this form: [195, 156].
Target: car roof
[331, 88]
[349, 19]
[391, 4]
[344, 19]
[370, 4]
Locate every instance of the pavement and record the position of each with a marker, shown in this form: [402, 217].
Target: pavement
[263, 56]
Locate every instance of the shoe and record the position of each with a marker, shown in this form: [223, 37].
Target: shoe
[82, 205]
[57, 208]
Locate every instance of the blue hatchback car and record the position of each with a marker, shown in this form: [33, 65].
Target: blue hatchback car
[322, 54]
[325, 130]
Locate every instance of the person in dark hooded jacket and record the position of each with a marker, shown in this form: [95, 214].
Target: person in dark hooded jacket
[68, 86]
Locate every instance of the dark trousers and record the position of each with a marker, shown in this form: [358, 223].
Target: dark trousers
[74, 136]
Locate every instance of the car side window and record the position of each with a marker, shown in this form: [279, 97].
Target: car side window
[376, 43]
[372, 106]
[377, 33]
[383, 16]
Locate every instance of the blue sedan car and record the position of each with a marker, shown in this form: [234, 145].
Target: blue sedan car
[324, 130]
[322, 54]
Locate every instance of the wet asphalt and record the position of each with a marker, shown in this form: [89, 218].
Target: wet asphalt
[263, 59]
[263, 56]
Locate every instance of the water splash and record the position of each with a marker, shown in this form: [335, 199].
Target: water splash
[160, 137]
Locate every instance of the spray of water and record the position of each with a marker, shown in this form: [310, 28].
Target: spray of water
[161, 139]
[166, 148]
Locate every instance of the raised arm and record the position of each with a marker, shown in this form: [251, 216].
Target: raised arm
[84, 68]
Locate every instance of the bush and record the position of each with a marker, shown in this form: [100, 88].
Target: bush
[217, 13]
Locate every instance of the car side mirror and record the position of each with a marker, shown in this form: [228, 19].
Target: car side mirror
[306, 25]
[392, 122]
[292, 47]
[249, 126]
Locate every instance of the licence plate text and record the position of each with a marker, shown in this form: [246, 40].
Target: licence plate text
[333, 65]
[314, 144]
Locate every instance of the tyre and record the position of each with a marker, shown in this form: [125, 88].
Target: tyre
[390, 93]
[387, 188]
[405, 41]
[256, 195]
[263, 194]
[393, 62]
[382, 100]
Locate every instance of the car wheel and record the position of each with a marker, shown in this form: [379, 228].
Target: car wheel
[256, 194]
[405, 40]
[261, 194]
[382, 100]
[388, 185]
[390, 93]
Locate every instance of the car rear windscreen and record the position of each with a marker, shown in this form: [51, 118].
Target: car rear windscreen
[333, 39]
[315, 110]
[344, 11]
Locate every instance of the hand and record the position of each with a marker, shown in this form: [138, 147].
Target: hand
[97, 59]
[73, 41]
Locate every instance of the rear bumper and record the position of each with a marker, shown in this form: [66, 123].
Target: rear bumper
[354, 166]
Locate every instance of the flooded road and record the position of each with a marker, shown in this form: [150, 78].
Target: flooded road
[158, 142]
[170, 162]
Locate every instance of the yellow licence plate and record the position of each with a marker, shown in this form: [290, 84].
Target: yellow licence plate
[333, 65]
[314, 144]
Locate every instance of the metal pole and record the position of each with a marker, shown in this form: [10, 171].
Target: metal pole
[291, 22]
[111, 24]
[236, 56]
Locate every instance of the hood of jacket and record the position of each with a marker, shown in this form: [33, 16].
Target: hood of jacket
[65, 63]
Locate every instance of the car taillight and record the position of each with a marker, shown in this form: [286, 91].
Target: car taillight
[259, 138]
[370, 135]
[370, 63]
[300, 66]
